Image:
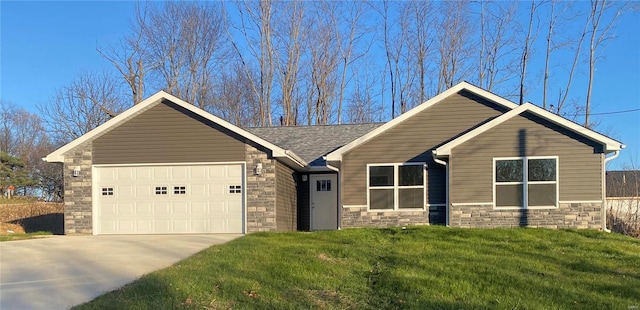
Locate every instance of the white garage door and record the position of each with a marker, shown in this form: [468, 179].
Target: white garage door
[169, 199]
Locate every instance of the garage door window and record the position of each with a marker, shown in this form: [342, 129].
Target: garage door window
[235, 189]
[107, 191]
[179, 190]
[161, 190]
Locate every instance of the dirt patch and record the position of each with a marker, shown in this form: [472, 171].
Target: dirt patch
[32, 217]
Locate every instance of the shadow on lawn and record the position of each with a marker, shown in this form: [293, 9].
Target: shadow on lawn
[53, 223]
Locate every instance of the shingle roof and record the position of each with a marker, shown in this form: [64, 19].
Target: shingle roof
[312, 142]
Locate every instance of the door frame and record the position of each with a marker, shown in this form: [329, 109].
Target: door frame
[312, 179]
[95, 222]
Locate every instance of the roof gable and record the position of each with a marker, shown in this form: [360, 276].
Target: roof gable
[337, 154]
[609, 144]
[58, 155]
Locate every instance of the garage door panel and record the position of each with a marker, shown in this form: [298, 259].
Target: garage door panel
[217, 172]
[162, 226]
[180, 173]
[123, 192]
[161, 173]
[170, 199]
[202, 173]
[200, 208]
[144, 225]
[199, 190]
[143, 173]
[125, 174]
[143, 208]
[234, 172]
[125, 208]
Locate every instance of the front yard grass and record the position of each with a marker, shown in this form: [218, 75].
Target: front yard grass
[12, 237]
[416, 268]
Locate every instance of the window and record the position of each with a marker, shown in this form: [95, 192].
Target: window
[179, 190]
[107, 191]
[235, 189]
[323, 185]
[526, 182]
[396, 186]
[161, 190]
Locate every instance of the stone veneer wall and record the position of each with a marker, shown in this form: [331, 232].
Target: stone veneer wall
[261, 191]
[77, 191]
[568, 215]
[361, 217]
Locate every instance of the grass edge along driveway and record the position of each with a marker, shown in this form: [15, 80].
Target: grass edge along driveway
[391, 268]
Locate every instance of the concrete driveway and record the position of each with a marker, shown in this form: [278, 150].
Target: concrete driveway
[63, 271]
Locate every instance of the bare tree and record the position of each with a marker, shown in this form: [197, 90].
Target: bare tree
[234, 100]
[602, 18]
[256, 29]
[575, 42]
[527, 48]
[130, 59]
[85, 103]
[497, 44]
[346, 24]
[183, 43]
[292, 29]
[454, 48]
[323, 62]
[363, 106]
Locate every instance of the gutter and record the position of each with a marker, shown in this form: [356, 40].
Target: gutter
[294, 157]
[333, 168]
[604, 190]
[446, 165]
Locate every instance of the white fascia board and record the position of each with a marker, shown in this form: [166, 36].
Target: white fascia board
[610, 144]
[337, 154]
[57, 156]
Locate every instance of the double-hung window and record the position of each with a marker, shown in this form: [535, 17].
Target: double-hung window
[396, 186]
[527, 182]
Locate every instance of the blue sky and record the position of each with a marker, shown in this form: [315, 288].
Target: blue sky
[43, 45]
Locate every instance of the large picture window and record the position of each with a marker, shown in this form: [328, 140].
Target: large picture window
[526, 182]
[396, 186]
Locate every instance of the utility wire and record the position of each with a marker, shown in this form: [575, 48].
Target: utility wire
[606, 113]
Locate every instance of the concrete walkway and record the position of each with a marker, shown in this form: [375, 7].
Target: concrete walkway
[63, 271]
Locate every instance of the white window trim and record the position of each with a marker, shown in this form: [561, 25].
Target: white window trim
[396, 187]
[525, 182]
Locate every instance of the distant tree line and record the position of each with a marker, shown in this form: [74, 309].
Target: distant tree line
[286, 63]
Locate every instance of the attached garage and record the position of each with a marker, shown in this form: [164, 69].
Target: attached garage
[169, 199]
[165, 166]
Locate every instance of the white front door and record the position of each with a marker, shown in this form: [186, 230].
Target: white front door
[324, 201]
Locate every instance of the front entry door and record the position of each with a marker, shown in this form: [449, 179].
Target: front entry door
[324, 201]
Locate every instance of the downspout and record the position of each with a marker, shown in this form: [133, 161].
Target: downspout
[446, 166]
[339, 191]
[604, 190]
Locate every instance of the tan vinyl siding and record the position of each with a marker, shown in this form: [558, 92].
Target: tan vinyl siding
[579, 160]
[167, 133]
[286, 198]
[412, 141]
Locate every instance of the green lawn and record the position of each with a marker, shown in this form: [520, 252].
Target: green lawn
[417, 268]
[12, 237]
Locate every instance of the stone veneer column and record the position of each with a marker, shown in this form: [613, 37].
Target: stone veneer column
[77, 191]
[261, 191]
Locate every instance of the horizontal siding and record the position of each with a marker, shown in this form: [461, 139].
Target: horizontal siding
[167, 133]
[413, 140]
[579, 160]
[286, 198]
